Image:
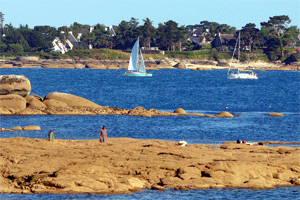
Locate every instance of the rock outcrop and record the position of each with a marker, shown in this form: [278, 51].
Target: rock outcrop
[125, 165]
[25, 128]
[180, 111]
[275, 114]
[15, 84]
[224, 114]
[12, 103]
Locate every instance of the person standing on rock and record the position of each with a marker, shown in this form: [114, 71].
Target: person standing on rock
[103, 134]
[51, 135]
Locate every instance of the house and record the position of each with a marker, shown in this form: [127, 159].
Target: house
[198, 36]
[223, 41]
[111, 30]
[296, 44]
[72, 42]
[58, 46]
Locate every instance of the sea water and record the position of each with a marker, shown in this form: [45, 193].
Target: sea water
[206, 92]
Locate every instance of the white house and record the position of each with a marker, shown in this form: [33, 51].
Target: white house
[58, 46]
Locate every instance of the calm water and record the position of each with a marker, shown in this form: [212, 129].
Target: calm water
[207, 92]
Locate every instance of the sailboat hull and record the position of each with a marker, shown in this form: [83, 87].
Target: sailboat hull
[136, 74]
[242, 76]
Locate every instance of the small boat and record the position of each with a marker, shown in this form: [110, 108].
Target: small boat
[239, 75]
[133, 68]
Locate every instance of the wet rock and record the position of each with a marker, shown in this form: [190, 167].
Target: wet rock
[209, 116]
[95, 66]
[158, 187]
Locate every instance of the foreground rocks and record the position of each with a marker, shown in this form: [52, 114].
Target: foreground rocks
[124, 165]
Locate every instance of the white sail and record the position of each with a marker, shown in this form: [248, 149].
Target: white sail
[134, 57]
[142, 67]
[133, 69]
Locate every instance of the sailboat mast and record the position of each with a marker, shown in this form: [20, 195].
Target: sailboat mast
[239, 51]
[137, 60]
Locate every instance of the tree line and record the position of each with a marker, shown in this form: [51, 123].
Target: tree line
[169, 36]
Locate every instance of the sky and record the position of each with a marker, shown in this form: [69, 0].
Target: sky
[57, 13]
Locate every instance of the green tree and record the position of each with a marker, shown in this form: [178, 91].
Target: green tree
[101, 36]
[169, 35]
[24, 44]
[88, 38]
[148, 32]
[2, 47]
[277, 25]
[249, 35]
[124, 35]
[63, 33]
[12, 35]
[25, 32]
[14, 48]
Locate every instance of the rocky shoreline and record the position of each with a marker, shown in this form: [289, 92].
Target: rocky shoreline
[57, 103]
[126, 165]
[151, 64]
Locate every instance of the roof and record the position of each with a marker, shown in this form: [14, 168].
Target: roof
[197, 39]
[297, 38]
[226, 37]
[197, 32]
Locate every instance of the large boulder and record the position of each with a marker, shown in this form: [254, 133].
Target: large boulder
[15, 84]
[12, 102]
[69, 100]
[180, 111]
[224, 114]
[31, 128]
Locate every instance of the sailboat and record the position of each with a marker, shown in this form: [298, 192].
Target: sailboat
[239, 75]
[133, 68]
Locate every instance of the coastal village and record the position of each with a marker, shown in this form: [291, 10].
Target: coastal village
[128, 165]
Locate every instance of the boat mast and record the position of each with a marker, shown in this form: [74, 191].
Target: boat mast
[239, 51]
[137, 60]
[232, 56]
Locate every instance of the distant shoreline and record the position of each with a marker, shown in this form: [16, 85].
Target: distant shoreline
[151, 64]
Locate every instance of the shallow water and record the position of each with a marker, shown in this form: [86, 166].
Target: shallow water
[284, 193]
[207, 92]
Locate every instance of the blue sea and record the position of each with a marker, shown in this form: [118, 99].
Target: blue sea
[206, 92]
